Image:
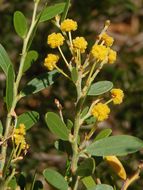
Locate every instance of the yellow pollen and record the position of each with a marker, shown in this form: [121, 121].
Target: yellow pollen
[99, 52]
[100, 111]
[108, 40]
[79, 43]
[117, 95]
[55, 40]
[112, 56]
[68, 25]
[50, 61]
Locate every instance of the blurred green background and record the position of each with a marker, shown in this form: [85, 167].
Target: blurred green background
[127, 29]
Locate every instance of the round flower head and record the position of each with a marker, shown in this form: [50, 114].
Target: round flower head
[108, 40]
[100, 52]
[68, 25]
[117, 95]
[100, 111]
[50, 61]
[55, 40]
[80, 43]
[112, 56]
[117, 166]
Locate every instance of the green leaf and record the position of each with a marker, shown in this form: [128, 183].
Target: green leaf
[88, 182]
[31, 57]
[90, 120]
[86, 168]
[74, 75]
[20, 24]
[57, 126]
[12, 184]
[100, 87]
[118, 145]
[104, 133]
[55, 179]
[4, 60]
[1, 129]
[101, 187]
[85, 111]
[10, 87]
[67, 6]
[39, 83]
[28, 119]
[52, 11]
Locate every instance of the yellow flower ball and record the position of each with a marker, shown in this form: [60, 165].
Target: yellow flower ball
[55, 40]
[117, 166]
[80, 43]
[117, 95]
[99, 52]
[100, 111]
[50, 61]
[112, 56]
[108, 40]
[68, 25]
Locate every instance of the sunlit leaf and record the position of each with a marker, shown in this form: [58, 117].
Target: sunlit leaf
[28, 119]
[57, 126]
[10, 87]
[52, 11]
[20, 24]
[39, 83]
[100, 87]
[31, 57]
[118, 145]
[55, 179]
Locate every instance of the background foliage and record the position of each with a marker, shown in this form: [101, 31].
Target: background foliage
[126, 27]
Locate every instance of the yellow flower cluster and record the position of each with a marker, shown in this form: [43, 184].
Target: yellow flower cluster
[19, 136]
[68, 25]
[117, 95]
[99, 52]
[117, 166]
[55, 40]
[100, 111]
[79, 43]
[50, 61]
[108, 40]
[112, 56]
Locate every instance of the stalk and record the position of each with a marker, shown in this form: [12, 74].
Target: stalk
[16, 86]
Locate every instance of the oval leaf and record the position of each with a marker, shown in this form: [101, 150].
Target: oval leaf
[115, 145]
[74, 75]
[4, 60]
[28, 119]
[31, 57]
[20, 24]
[55, 179]
[10, 87]
[86, 168]
[100, 88]
[101, 187]
[89, 182]
[57, 126]
[52, 11]
[104, 133]
[39, 83]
